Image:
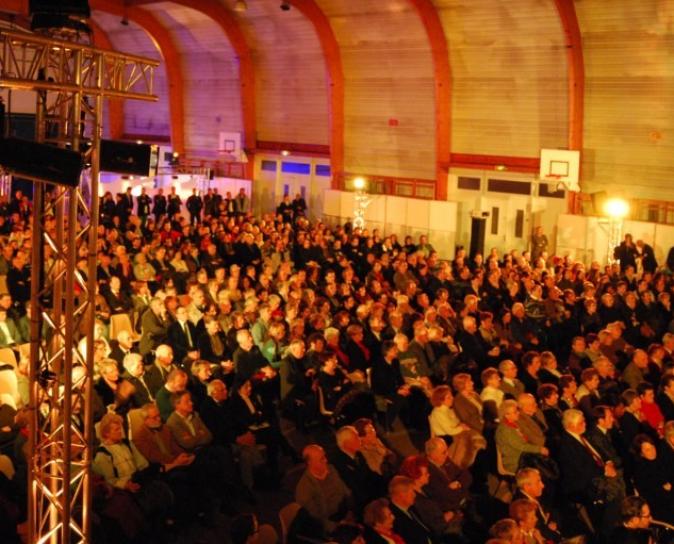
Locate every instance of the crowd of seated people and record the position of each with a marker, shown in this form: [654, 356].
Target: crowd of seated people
[541, 391]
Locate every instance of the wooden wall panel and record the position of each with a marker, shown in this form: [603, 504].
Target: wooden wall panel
[290, 86]
[629, 97]
[388, 74]
[210, 68]
[140, 117]
[509, 76]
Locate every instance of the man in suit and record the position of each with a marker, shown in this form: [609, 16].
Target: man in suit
[407, 522]
[665, 398]
[134, 373]
[122, 347]
[601, 434]
[365, 485]
[448, 485]
[626, 253]
[214, 463]
[143, 202]
[119, 302]
[194, 205]
[158, 372]
[154, 327]
[530, 486]
[587, 477]
[182, 335]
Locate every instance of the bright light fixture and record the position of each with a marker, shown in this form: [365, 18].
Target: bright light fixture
[285, 152]
[359, 183]
[616, 208]
[240, 6]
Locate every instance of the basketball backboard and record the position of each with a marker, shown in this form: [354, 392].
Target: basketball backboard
[561, 166]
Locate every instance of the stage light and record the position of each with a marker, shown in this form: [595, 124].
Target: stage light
[359, 183]
[285, 152]
[240, 6]
[616, 208]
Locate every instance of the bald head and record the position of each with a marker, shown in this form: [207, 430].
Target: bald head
[527, 403]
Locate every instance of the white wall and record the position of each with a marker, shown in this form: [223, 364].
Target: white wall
[538, 211]
[270, 186]
[402, 216]
[586, 238]
[183, 183]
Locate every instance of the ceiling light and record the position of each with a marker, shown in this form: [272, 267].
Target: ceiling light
[240, 6]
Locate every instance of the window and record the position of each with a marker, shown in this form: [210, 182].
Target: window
[269, 166]
[296, 168]
[323, 170]
[470, 184]
[512, 187]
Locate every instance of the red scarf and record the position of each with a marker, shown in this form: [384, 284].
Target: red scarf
[515, 426]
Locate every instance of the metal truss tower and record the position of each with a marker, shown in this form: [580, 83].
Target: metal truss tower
[71, 79]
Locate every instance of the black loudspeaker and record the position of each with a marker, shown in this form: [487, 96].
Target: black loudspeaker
[41, 162]
[125, 157]
[478, 226]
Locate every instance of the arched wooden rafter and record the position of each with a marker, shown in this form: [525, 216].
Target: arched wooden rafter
[115, 106]
[333, 62]
[169, 52]
[576, 78]
[443, 92]
[236, 37]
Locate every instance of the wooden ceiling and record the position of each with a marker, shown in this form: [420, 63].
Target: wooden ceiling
[392, 87]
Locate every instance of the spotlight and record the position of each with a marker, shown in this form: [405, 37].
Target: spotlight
[285, 6]
[285, 152]
[240, 6]
[616, 208]
[359, 183]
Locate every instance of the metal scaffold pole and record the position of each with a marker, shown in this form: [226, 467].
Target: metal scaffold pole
[71, 80]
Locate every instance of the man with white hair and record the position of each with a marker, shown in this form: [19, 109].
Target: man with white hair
[134, 373]
[122, 347]
[586, 476]
[365, 485]
[158, 372]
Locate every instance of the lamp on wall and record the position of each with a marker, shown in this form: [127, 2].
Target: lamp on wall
[616, 209]
[361, 202]
[240, 6]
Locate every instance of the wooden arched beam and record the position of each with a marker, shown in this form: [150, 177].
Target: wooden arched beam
[576, 77]
[443, 92]
[169, 52]
[230, 27]
[115, 105]
[333, 62]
